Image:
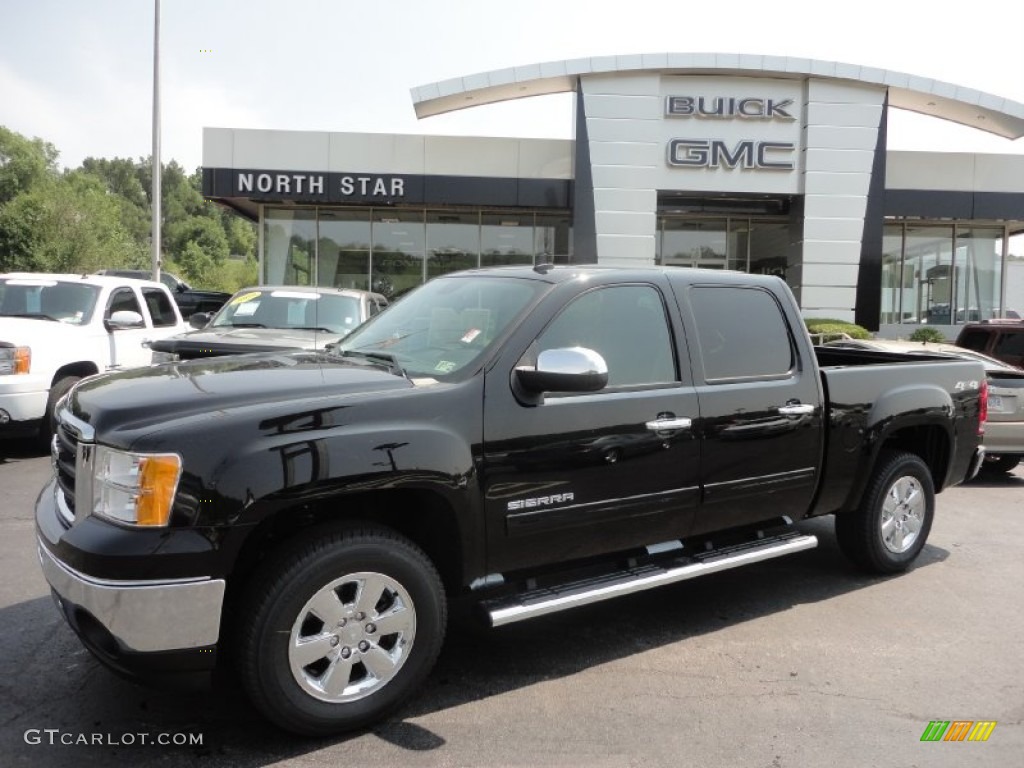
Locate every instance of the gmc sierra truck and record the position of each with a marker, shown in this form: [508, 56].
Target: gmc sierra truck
[523, 439]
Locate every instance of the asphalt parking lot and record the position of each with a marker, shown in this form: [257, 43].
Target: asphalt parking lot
[799, 661]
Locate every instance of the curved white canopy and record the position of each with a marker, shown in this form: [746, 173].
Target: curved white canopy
[957, 104]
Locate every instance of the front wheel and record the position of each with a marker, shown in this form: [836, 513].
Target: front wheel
[341, 628]
[889, 529]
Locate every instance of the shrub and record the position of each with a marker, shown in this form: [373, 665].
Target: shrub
[928, 334]
[824, 329]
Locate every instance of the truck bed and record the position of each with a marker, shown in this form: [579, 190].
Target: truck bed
[932, 386]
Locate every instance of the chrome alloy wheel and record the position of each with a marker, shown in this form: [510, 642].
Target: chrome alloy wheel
[351, 638]
[903, 513]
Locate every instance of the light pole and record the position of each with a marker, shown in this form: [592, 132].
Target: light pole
[157, 166]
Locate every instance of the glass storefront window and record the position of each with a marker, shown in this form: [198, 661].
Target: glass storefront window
[289, 249]
[769, 248]
[892, 274]
[552, 239]
[344, 260]
[738, 251]
[694, 243]
[453, 241]
[979, 260]
[506, 238]
[929, 278]
[398, 240]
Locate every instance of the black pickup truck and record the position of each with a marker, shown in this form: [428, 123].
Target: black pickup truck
[524, 440]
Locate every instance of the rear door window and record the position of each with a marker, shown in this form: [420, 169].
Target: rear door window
[160, 308]
[742, 334]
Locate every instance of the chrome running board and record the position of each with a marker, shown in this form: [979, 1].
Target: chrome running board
[539, 602]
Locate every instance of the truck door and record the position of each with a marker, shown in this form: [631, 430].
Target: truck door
[760, 421]
[125, 345]
[584, 474]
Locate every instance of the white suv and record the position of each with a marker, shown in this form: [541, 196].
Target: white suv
[57, 329]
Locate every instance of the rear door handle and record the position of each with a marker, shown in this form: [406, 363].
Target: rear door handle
[797, 409]
[669, 425]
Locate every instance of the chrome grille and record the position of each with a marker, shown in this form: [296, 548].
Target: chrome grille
[63, 452]
[71, 455]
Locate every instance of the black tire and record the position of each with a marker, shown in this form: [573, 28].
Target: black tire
[880, 536]
[1000, 463]
[57, 391]
[320, 695]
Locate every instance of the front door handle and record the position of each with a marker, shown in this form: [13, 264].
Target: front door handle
[669, 424]
[797, 409]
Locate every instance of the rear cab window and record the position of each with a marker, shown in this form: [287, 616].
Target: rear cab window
[742, 334]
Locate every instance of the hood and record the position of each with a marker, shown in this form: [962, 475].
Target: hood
[228, 340]
[22, 330]
[151, 397]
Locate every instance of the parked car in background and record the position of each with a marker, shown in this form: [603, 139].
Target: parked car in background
[1004, 430]
[57, 329]
[272, 319]
[189, 300]
[1003, 339]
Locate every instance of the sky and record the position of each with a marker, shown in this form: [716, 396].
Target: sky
[79, 73]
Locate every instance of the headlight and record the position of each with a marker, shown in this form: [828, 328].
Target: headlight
[135, 488]
[15, 359]
[164, 357]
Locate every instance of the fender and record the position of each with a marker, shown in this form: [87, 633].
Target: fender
[899, 408]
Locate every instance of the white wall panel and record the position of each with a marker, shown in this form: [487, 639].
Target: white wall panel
[625, 250]
[632, 107]
[545, 159]
[835, 206]
[829, 297]
[624, 177]
[835, 183]
[624, 153]
[218, 147]
[831, 251]
[834, 229]
[839, 160]
[281, 150]
[849, 115]
[841, 137]
[626, 222]
[465, 156]
[929, 170]
[833, 92]
[637, 200]
[620, 129]
[376, 153]
[829, 275]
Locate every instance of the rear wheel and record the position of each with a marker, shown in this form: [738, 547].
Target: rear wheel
[889, 529]
[342, 627]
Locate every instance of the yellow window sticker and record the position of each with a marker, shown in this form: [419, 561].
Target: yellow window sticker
[246, 297]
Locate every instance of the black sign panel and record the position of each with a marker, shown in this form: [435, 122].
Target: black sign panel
[382, 188]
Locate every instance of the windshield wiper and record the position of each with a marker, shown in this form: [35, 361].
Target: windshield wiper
[34, 316]
[312, 328]
[244, 325]
[375, 356]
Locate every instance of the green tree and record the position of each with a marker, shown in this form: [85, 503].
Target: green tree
[24, 163]
[66, 224]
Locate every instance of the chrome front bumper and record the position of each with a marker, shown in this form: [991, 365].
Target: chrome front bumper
[143, 616]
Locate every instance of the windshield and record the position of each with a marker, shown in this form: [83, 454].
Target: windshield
[445, 325]
[49, 300]
[289, 309]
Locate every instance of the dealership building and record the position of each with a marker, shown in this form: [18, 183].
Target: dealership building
[723, 161]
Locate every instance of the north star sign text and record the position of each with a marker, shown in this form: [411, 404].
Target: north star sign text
[313, 183]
